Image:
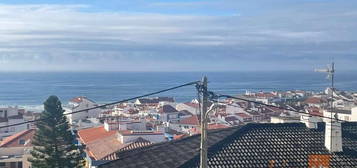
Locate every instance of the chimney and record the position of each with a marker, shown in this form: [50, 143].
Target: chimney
[309, 121]
[333, 136]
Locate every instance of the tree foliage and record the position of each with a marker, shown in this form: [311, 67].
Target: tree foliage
[54, 142]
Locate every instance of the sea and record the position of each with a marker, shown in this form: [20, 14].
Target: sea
[30, 89]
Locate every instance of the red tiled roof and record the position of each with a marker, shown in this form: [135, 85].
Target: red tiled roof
[104, 146]
[315, 111]
[266, 95]
[193, 120]
[77, 99]
[216, 126]
[138, 143]
[13, 141]
[92, 134]
[313, 100]
[176, 137]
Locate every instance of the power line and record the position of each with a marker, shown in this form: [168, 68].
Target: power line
[108, 104]
[269, 105]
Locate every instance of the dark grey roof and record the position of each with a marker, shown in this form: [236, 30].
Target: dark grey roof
[252, 145]
[341, 111]
[168, 154]
[167, 109]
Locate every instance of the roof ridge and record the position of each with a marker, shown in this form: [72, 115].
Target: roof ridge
[156, 145]
[11, 138]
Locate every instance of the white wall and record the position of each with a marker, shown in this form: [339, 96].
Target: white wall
[354, 114]
[5, 132]
[234, 109]
[11, 111]
[346, 117]
[81, 106]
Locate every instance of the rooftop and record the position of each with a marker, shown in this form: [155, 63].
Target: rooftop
[139, 132]
[91, 134]
[314, 100]
[193, 120]
[252, 145]
[13, 141]
[167, 109]
[243, 115]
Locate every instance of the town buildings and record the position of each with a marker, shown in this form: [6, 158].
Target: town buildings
[114, 132]
[15, 150]
[13, 115]
[255, 145]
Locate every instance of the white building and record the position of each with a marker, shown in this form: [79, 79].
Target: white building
[126, 136]
[346, 115]
[185, 124]
[81, 103]
[124, 125]
[343, 104]
[10, 116]
[282, 119]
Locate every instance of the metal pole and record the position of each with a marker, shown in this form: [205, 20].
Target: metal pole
[332, 73]
[203, 147]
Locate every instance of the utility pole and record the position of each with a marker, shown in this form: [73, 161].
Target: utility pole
[204, 101]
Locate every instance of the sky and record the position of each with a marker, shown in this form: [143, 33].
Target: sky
[185, 35]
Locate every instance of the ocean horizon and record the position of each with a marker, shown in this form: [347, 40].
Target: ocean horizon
[30, 89]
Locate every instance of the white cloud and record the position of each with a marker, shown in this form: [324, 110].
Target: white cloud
[62, 37]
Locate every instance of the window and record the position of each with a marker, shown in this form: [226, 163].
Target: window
[19, 164]
[13, 165]
[22, 141]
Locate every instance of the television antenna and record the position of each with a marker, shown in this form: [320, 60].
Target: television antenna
[330, 70]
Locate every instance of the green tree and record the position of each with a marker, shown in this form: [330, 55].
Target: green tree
[53, 141]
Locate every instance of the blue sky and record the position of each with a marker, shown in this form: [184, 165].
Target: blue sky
[186, 35]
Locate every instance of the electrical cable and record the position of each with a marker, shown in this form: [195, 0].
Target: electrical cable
[108, 104]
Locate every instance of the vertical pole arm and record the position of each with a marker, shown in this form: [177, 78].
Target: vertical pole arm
[203, 147]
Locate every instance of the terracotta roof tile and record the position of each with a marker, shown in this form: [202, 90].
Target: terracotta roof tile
[314, 100]
[13, 141]
[77, 99]
[216, 126]
[102, 147]
[193, 120]
[91, 134]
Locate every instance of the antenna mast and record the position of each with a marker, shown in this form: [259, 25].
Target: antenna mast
[330, 70]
